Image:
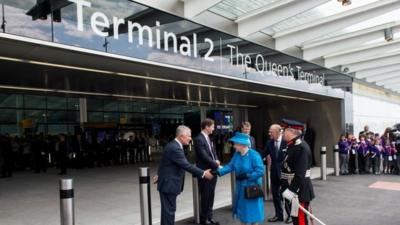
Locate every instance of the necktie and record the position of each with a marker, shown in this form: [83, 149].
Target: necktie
[277, 146]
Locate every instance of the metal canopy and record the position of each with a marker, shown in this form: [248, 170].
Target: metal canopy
[361, 38]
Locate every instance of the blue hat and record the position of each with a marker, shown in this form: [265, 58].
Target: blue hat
[241, 138]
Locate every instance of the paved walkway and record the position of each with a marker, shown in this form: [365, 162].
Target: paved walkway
[103, 196]
[345, 200]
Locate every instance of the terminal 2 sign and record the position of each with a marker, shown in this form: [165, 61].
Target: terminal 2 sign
[165, 41]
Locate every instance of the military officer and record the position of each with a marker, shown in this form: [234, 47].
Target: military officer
[296, 181]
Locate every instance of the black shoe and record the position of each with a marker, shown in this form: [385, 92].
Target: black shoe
[213, 222]
[205, 222]
[275, 219]
[288, 220]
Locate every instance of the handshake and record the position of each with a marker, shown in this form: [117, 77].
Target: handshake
[210, 174]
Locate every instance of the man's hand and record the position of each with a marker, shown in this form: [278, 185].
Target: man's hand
[218, 162]
[208, 175]
[215, 173]
[155, 179]
[288, 194]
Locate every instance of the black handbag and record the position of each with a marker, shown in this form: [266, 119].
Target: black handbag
[253, 192]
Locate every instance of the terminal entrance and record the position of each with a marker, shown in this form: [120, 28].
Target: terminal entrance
[124, 97]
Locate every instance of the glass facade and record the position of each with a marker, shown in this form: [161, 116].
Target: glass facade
[47, 114]
[130, 29]
[133, 112]
[55, 114]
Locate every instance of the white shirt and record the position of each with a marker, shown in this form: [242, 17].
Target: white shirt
[207, 139]
[278, 142]
[180, 144]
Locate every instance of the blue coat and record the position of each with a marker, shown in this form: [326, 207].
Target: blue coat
[246, 210]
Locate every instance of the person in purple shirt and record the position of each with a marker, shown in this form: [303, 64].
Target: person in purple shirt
[361, 153]
[353, 145]
[375, 152]
[386, 151]
[344, 148]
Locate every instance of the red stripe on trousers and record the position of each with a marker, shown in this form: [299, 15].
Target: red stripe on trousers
[302, 216]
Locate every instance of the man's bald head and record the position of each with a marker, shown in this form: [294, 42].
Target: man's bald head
[275, 131]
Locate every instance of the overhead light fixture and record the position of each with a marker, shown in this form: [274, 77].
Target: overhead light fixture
[45, 7]
[345, 2]
[388, 34]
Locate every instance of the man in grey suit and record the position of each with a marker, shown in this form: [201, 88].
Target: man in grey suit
[171, 174]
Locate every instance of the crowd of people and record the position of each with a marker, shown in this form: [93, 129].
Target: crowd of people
[371, 153]
[40, 152]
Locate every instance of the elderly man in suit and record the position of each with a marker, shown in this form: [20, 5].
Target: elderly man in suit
[171, 173]
[275, 150]
[206, 158]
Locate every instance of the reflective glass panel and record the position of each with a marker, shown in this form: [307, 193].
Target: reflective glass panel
[35, 101]
[73, 104]
[38, 116]
[110, 105]
[94, 104]
[8, 116]
[57, 129]
[56, 102]
[11, 129]
[111, 117]
[9, 101]
[95, 117]
[36, 25]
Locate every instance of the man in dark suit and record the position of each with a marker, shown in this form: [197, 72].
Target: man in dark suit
[171, 174]
[206, 158]
[274, 149]
[246, 129]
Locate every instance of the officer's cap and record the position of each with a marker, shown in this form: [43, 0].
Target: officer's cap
[287, 123]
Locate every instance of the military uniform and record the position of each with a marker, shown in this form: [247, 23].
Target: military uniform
[296, 176]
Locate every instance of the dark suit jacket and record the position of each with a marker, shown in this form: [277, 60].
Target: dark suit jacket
[276, 158]
[253, 143]
[171, 172]
[204, 160]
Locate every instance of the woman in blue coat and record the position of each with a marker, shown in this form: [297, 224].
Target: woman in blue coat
[249, 169]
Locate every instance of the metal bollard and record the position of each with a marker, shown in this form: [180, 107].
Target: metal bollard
[67, 210]
[336, 157]
[145, 197]
[233, 187]
[196, 200]
[323, 163]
